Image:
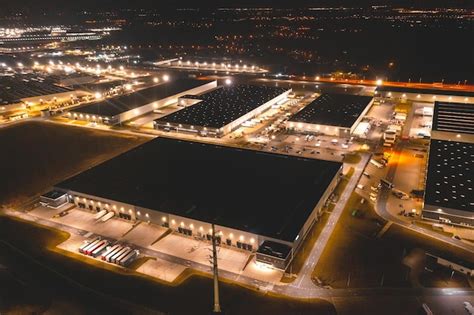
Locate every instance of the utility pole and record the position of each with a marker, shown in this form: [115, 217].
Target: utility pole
[217, 306]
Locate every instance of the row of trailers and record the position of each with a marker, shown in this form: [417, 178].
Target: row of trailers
[117, 254]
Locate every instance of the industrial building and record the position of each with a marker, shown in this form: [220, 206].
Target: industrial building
[258, 201]
[453, 121]
[222, 110]
[119, 109]
[449, 195]
[423, 95]
[20, 91]
[331, 114]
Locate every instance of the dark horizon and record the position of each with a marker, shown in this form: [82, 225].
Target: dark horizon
[210, 4]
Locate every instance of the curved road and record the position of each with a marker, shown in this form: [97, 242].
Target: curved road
[381, 209]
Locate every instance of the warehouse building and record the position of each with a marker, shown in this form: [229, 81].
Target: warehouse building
[222, 110]
[331, 114]
[187, 186]
[119, 109]
[453, 121]
[423, 95]
[449, 192]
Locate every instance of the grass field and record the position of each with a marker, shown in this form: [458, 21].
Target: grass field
[108, 291]
[37, 155]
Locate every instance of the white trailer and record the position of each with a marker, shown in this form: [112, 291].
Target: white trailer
[117, 254]
[87, 243]
[85, 249]
[89, 248]
[124, 254]
[107, 217]
[125, 251]
[376, 163]
[129, 258]
[108, 256]
[99, 249]
[100, 214]
[109, 251]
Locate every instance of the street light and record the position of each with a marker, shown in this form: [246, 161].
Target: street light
[228, 81]
[166, 78]
[379, 82]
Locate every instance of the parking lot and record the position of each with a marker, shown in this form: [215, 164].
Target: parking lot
[144, 234]
[200, 251]
[155, 238]
[420, 124]
[80, 219]
[161, 269]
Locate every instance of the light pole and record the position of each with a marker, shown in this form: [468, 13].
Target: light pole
[217, 306]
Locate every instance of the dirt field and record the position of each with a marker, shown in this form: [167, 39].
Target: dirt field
[37, 155]
[356, 257]
[72, 281]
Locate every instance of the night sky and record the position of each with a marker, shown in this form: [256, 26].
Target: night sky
[107, 4]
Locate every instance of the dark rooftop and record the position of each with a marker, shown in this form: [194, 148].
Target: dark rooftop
[264, 193]
[340, 110]
[274, 249]
[13, 89]
[222, 106]
[53, 194]
[449, 180]
[400, 89]
[453, 117]
[120, 104]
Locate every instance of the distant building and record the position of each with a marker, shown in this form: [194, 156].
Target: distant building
[222, 110]
[331, 114]
[424, 95]
[119, 109]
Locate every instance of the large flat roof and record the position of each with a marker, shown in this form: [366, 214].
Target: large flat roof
[258, 192]
[340, 110]
[453, 117]
[120, 104]
[14, 89]
[222, 106]
[449, 182]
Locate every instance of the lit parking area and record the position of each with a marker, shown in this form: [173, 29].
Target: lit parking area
[161, 269]
[123, 233]
[199, 251]
[144, 234]
[48, 213]
[261, 272]
[80, 219]
[422, 121]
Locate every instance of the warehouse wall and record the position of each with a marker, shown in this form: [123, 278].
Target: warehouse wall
[430, 98]
[164, 102]
[317, 210]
